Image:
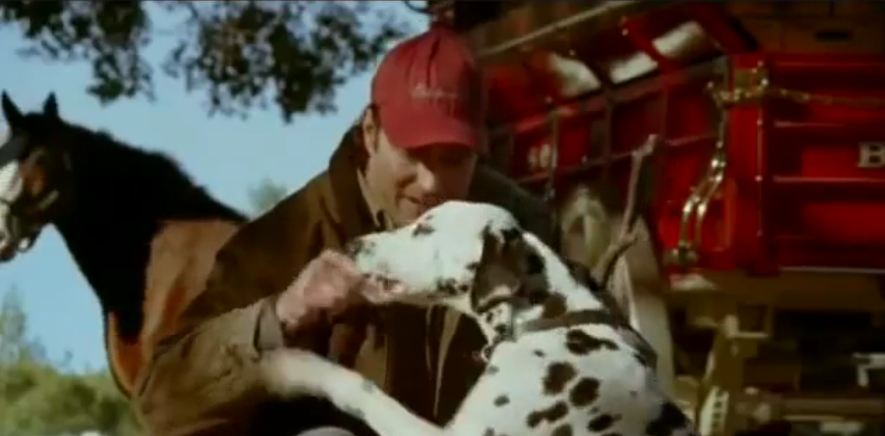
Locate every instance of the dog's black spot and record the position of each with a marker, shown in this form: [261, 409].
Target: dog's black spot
[669, 420]
[581, 343]
[558, 374]
[502, 400]
[489, 317]
[537, 296]
[585, 392]
[422, 228]
[489, 432]
[472, 266]
[511, 234]
[462, 288]
[644, 350]
[387, 283]
[554, 306]
[552, 414]
[356, 247]
[487, 305]
[534, 264]
[368, 385]
[602, 422]
[447, 286]
[501, 329]
[539, 353]
[641, 359]
[491, 370]
[562, 430]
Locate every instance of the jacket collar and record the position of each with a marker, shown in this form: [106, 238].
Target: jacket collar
[343, 197]
[379, 218]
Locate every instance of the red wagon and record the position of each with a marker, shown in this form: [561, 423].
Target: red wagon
[757, 276]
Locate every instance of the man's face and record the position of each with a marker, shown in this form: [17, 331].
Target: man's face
[407, 182]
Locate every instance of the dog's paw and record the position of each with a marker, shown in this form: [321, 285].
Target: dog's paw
[292, 372]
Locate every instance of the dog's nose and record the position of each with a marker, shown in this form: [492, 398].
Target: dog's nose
[360, 247]
[353, 248]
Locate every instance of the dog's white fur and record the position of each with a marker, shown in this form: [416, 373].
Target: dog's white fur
[559, 380]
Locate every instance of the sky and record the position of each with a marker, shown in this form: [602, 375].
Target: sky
[227, 155]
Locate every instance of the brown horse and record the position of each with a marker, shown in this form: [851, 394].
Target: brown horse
[142, 233]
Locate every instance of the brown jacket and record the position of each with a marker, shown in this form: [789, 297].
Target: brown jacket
[204, 381]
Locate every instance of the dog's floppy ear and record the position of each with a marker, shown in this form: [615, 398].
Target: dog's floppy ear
[508, 261]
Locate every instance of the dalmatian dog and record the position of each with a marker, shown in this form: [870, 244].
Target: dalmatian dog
[560, 361]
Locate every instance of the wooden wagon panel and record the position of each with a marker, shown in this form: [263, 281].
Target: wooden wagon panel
[570, 110]
[813, 153]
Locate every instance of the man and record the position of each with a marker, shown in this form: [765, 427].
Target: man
[416, 145]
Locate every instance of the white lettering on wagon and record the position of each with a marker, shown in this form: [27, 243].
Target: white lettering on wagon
[872, 155]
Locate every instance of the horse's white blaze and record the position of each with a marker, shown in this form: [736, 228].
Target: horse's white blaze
[10, 181]
[10, 189]
[10, 171]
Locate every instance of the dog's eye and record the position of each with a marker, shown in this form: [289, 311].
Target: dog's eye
[534, 264]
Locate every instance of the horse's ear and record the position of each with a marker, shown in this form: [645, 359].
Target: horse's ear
[50, 106]
[11, 112]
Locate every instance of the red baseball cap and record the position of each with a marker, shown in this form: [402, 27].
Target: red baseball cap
[428, 90]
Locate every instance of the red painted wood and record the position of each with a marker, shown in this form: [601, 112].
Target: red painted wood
[793, 195]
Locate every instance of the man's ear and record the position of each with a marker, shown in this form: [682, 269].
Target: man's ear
[369, 129]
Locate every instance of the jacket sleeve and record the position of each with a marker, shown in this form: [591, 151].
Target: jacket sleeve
[262, 257]
[259, 261]
[208, 376]
[224, 331]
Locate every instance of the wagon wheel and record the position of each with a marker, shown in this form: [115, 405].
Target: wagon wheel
[588, 224]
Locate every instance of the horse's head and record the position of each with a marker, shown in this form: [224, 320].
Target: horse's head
[34, 170]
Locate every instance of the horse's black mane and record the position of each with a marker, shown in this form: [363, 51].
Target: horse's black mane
[122, 195]
[159, 182]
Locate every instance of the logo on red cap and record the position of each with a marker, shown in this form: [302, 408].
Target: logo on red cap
[427, 92]
[422, 92]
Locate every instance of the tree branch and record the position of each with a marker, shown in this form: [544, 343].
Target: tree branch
[416, 8]
[604, 268]
[240, 54]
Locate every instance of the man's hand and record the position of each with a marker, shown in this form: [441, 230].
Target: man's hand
[327, 286]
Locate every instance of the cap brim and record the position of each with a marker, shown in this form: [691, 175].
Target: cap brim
[424, 129]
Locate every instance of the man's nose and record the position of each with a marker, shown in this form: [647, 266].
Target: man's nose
[427, 180]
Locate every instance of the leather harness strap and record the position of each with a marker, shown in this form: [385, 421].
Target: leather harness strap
[568, 319]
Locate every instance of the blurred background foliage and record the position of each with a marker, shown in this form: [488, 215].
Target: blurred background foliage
[39, 396]
[241, 53]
